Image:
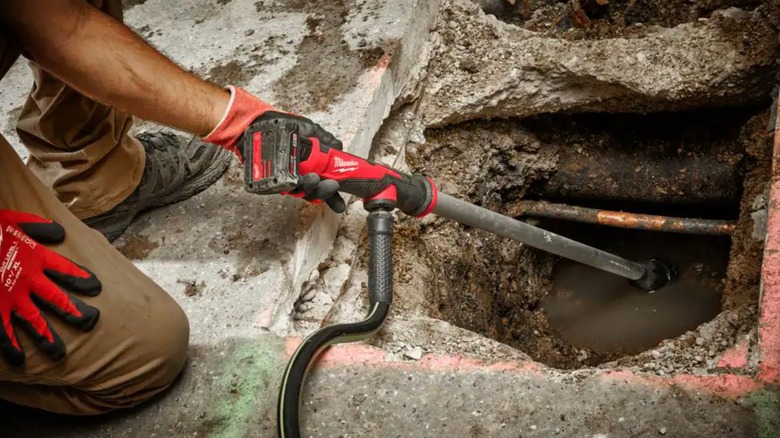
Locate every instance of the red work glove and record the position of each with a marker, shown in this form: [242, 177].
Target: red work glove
[30, 279]
[245, 109]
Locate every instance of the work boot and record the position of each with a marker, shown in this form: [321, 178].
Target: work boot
[174, 171]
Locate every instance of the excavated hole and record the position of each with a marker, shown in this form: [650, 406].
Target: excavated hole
[660, 164]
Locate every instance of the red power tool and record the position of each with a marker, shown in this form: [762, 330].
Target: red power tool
[276, 159]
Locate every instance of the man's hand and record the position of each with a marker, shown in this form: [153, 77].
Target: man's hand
[31, 277]
[244, 110]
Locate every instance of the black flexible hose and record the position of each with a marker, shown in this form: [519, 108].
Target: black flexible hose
[380, 295]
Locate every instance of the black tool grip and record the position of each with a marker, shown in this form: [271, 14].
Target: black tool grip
[414, 193]
[380, 257]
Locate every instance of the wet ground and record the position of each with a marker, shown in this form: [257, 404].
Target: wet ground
[597, 310]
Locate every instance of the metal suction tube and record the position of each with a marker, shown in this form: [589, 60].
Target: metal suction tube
[504, 226]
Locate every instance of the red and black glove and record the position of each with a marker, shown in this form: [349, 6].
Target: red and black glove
[245, 109]
[32, 277]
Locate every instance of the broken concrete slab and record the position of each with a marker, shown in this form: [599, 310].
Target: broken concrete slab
[483, 67]
[343, 64]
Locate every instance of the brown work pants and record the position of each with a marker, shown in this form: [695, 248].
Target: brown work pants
[78, 147]
[81, 149]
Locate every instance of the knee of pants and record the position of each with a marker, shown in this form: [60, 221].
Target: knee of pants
[168, 347]
[152, 366]
[142, 369]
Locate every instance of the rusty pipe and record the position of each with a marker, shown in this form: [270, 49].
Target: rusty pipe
[646, 173]
[622, 219]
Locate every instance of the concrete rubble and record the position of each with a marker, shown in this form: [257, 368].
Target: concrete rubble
[255, 274]
[485, 68]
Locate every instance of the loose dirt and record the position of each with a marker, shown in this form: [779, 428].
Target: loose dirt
[317, 81]
[617, 18]
[741, 291]
[137, 246]
[493, 290]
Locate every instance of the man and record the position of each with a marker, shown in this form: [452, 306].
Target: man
[108, 337]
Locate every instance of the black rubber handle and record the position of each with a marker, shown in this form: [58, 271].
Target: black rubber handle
[380, 258]
[414, 193]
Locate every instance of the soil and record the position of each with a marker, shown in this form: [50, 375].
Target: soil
[631, 148]
[337, 67]
[137, 246]
[259, 58]
[496, 288]
[231, 72]
[192, 288]
[617, 18]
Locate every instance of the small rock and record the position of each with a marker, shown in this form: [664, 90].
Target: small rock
[662, 431]
[191, 288]
[656, 354]
[734, 13]
[469, 65]
[249, 32]
[700, 341]
[362, 43]
[414, 353]
[309, 295]
[760, 219]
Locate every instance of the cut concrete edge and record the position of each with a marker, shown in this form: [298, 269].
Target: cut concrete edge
[348, 355]
[736, 357]
[769, 305]
[386, 81]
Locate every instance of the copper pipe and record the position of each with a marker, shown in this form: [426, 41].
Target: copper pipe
[622, 219]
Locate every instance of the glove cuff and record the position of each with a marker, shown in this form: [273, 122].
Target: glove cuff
[243, 108]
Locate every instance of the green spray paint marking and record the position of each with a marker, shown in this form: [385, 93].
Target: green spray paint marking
[766, 406]
[250, 379]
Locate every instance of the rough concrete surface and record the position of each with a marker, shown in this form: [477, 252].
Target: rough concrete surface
[249, 271]
[483, 67]
[235, 397]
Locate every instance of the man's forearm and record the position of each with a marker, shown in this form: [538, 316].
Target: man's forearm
[108, 62]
